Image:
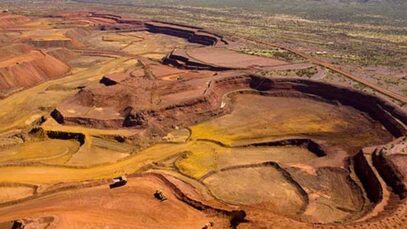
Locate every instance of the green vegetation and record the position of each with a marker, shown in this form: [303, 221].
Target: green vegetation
[273, 53]
[370, 12]
[308, 72]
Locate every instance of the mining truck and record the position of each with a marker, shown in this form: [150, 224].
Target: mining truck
[118, 182]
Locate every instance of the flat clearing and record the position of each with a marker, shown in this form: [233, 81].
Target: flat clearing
[279, 118]
[51, 151]
[230, 59]
[275, 192]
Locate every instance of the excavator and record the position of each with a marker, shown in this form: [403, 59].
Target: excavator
[159, 196]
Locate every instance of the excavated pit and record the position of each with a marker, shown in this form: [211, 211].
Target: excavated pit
[258, 149]
[206, 105]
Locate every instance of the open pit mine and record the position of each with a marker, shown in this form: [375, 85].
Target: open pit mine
[113, 122]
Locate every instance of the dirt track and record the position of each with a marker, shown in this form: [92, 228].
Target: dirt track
[338, 69]
[130, 206]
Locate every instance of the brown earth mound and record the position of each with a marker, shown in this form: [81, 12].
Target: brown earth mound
[23, 67]
[10, 20]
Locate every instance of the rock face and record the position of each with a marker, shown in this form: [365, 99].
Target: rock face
[368, 178]
[137, 120]
[192, 34]
[391, 161]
